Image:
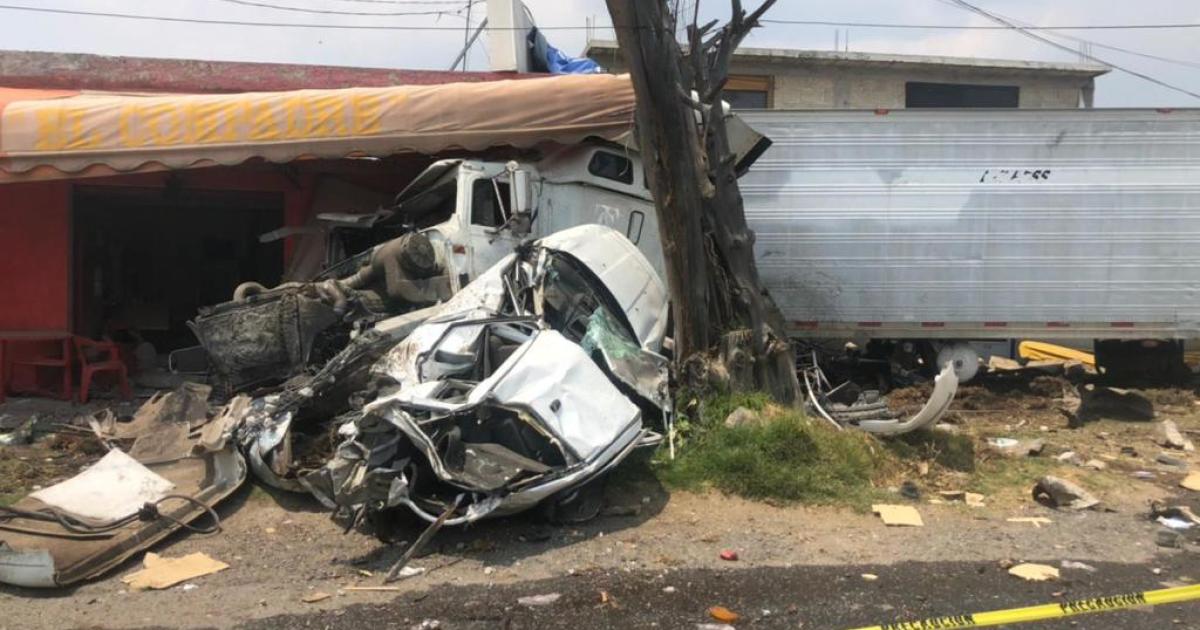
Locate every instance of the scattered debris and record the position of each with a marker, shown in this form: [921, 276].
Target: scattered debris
[741, 417]
[668, 589]
[1093, 402]
[1167, 538]
[1060, 493]
[1095, 464]
[1174, 522]
[1068, 457]
[729, 555]
[910, 490]
[1159, 509]
[898, 515]
[314, 597]
[160, 572]
[117, 507]
[972, 499]
[539, 600]
[1172, 438]
[870, 577]
[1053, 353]
[23, 434]
[1173, 462]
[723, 614]
[1008, 447]
[1036, 521]
[1143, 474]
[1034, 572]
[621, 510]
[385, 589]
[1071, 564]
[869, 411]
[408, 572]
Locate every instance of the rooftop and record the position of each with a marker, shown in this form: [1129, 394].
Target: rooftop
[603, 50]
[73, 71]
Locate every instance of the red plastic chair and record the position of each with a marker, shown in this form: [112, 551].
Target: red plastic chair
[100, 356]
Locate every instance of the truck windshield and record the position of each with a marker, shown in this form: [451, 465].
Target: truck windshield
[433, 206]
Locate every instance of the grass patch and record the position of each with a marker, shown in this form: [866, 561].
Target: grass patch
[1004, 476]
[784, 457]
[956, 452]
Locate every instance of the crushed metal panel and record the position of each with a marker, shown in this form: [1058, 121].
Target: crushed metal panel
[566, 392]
[624, 271]
[35, 552]
[112, 488]
[25, 544]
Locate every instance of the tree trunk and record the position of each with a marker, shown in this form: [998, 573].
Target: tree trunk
[728, 331]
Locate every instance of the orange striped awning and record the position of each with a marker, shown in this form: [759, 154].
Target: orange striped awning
[59, 134]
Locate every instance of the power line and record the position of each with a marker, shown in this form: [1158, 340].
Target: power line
[970, 27]
[1182, 62]
[967, 6]
[1089, 42]
[354, 27]
[434, 2]
[278, 7]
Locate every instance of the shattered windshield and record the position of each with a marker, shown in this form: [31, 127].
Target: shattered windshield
[433, 206]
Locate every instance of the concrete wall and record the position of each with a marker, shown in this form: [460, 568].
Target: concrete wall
[807, 85]
[855, 88]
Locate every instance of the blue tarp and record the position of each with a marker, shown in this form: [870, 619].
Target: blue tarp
[547, 58]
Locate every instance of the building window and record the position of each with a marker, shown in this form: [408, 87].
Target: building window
[960, 95]
[611, 166]
[748, 92]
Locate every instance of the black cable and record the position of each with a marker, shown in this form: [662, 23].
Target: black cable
[969, 27]
[279, 7]
[148, 512]
[270, 24]
[963, 4]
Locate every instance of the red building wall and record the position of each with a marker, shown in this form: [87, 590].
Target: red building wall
[36, 233]
[35, 243]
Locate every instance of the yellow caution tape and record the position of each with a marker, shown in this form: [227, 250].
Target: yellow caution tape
[1048, 611]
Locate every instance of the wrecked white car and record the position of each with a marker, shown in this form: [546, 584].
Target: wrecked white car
[534, 380]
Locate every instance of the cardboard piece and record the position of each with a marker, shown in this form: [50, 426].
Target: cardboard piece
[1191, 482]
[163, 572]
[898, 515]
[1034, 572]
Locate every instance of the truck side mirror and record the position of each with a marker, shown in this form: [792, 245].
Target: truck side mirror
[520, 198]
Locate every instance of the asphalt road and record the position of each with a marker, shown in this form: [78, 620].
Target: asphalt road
[797, 597]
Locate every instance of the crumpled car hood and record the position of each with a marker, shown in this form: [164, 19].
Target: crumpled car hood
[535, 378]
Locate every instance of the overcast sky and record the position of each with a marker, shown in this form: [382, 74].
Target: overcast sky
[21, 30]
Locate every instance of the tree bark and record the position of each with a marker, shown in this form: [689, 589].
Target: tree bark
[728, 330]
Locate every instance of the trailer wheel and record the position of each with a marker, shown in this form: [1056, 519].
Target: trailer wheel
[963, 357]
